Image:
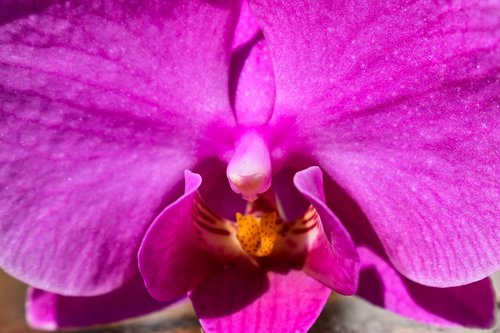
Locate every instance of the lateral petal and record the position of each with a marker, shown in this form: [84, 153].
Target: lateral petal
[103, 105]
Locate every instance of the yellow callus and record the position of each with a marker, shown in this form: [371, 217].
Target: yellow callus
[257, 234]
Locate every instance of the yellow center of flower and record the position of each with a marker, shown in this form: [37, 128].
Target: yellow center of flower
[257, 234]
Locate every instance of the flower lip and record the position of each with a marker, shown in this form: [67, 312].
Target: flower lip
[260, 236]
[191, 249]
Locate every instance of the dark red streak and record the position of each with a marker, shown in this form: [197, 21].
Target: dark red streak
[303, 230]
[211, 229]
[309, 220]
[202, 215]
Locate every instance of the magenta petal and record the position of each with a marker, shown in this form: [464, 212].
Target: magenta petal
[471, 305]
[169, 260]
[333, 258]
[102, 105]
[241, 298]
[406, 122]
[339, 55]
[45, 310]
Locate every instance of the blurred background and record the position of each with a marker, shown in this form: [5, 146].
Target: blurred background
[341, 315]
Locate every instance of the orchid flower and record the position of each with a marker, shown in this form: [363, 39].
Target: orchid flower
[373, 123]
[261, 273]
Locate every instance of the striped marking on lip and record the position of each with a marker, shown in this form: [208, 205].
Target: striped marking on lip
[205, 212]
[302, 225]
[217, 231]
[308, 222]
[220, 236]
[304, 230]
[299, 234]
[207, 220]
[308, 215]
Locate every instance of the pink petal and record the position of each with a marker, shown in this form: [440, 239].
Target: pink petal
[470, 305]
[45, 310]
[406, 122]
[102, 107]
[170, 262]
[333, 258]
[339, 55]
[241, 298]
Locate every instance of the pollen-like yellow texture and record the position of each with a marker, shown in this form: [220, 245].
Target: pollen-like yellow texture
[257, 234]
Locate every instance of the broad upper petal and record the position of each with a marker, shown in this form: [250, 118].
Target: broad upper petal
[471, 305]
[103, 105]
[45, 310]
[242, 298]
[332, 258]
[407, 122]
